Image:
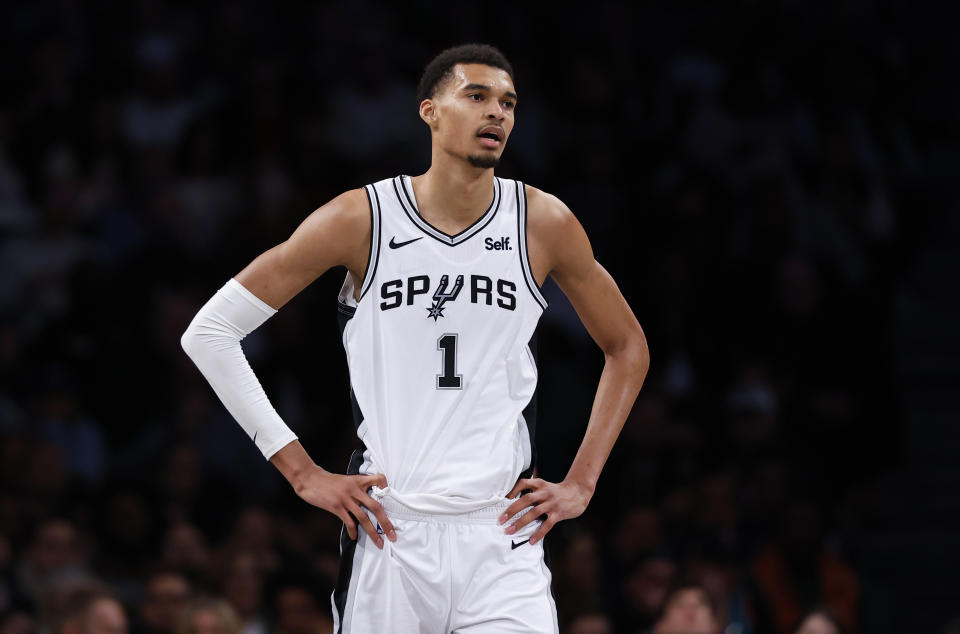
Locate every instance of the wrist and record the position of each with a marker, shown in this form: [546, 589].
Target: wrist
[295, 465]
[583, 486]
[300, 476]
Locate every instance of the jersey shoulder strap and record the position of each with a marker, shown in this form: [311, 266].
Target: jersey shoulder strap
[520, 191]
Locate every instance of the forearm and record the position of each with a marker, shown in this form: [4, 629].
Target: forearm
[212, 341]
[623, 373]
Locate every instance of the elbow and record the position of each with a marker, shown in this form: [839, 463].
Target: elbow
[640, 354]
[633, 354]
[187, 341]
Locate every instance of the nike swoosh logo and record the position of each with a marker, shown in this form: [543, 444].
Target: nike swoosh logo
[396, 245]
[515, 545]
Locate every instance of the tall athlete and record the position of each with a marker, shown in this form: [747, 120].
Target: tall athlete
[439, 305]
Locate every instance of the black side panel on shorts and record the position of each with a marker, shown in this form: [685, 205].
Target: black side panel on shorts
[347, 549]
[546, 561]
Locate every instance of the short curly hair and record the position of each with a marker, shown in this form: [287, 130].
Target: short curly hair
[440, 68]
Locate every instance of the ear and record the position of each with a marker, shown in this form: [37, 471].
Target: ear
[428, 112]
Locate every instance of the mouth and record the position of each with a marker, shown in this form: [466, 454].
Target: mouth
[491, 136]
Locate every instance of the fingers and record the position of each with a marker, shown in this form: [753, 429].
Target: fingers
[368, 526]
[522, 503]
[381, 515]
[524, 484]
[380, 480]
[376, 479]
[349, 524]
[541, 532]
[527, 517]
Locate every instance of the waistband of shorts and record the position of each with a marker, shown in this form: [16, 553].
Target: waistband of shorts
[485, 515]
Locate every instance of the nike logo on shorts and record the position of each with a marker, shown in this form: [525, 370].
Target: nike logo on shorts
[396, 245]
[515, 545]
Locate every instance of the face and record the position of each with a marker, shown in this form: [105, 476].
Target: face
[688, 612]
[165, 597]
[817, 624]
[208, 622]
[297, 612]
[243, 585]
[55, 547]
[471, 115]
[591, 624]
[647, 587]
[106, 616]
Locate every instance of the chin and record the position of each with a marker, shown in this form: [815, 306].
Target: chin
[486, 161]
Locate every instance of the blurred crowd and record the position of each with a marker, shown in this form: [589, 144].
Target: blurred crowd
[752, 175]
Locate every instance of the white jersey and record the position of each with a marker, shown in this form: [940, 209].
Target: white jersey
[438, 347]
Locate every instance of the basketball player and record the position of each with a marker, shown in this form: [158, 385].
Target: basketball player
[439, 305]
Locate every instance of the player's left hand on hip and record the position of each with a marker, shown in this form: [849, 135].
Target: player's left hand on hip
[554, 501]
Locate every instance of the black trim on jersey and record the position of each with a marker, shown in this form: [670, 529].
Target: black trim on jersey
[344, 314]
[530, 413]
[524, 256]
[410, 208]
[348, 548]
[375, 228]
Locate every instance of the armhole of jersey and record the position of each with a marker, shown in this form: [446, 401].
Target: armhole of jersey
[522, 238]
[374, 258]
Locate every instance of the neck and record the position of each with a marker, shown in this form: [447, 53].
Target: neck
[453, 190]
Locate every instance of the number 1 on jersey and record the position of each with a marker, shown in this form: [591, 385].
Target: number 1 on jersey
[449, 380]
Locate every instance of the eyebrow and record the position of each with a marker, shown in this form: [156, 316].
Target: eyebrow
[510, 94]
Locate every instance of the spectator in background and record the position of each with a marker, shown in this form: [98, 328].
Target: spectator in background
[254, 534]
[185, 550]
[17, 622]
[208, 615]
[124, 522]
[63, 423]
[688, 610]
[719, 577]
[645, 589]
[297, 607]
[590, 623]
[91, 609]
[53, 557]
[819, 621]
[166, 593]
[579, 578]
[242, 586]
[797, 573]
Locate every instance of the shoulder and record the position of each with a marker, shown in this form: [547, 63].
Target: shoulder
[549, 220]
[338, 232]
[351, 207]
[345, 215]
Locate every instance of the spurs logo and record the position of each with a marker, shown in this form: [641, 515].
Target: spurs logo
[441, 296]
[482, 290]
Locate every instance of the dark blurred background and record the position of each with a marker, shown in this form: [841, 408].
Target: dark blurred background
[773, 185]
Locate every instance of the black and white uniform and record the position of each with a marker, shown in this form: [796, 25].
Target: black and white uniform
[443, 380]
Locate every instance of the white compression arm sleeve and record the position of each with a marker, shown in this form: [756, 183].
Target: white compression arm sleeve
[212, 341]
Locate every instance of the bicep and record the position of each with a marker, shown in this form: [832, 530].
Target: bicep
[591, 289]
[330, 236]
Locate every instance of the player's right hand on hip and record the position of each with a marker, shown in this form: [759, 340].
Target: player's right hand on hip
[346, 497]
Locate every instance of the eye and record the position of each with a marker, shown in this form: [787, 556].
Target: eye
[508, 105]
[475, 96]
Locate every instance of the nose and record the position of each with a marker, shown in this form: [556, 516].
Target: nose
[496, 112]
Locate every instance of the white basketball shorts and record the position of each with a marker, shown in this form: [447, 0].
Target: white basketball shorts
[445, 574]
